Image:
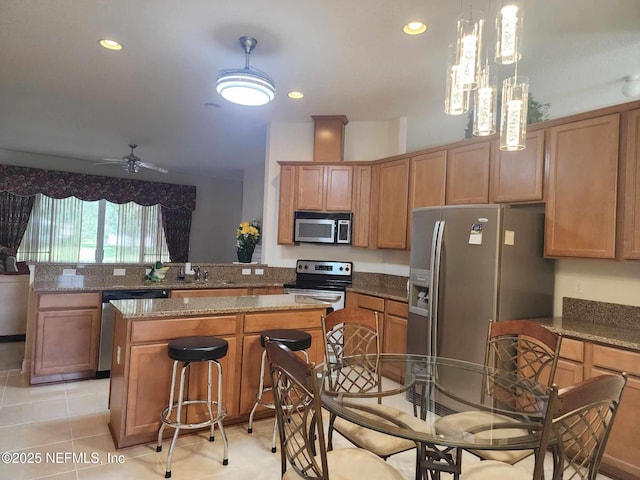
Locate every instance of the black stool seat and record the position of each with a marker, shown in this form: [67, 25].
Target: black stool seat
[197, 349]
[294, 339]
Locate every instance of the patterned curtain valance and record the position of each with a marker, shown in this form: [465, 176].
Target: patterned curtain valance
[25, 181]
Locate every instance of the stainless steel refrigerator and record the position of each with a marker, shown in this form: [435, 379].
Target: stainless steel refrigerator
[471, 264]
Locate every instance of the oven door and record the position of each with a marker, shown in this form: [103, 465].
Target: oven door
[335, 298]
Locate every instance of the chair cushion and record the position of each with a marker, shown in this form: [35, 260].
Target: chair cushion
[353, 464]
[457, 424]
[492, 470]
[381, 444]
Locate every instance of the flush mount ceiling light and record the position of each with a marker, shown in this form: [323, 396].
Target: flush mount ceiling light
[295, 95]
[248, 85]
[414, 28]
[110, 44]
[631, 87]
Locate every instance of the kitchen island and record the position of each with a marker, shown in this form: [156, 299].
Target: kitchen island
[141, 368]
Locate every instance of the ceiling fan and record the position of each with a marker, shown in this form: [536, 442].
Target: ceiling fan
[132, 163]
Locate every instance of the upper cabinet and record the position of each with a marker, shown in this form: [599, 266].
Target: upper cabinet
[427, 181]
[468, 174]
[391, 204]
[324, 187]
[518, 176]
[581, 197]
[361, 205]
[286, 204]
[630, 187]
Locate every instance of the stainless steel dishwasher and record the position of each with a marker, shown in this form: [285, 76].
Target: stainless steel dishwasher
[108, 316]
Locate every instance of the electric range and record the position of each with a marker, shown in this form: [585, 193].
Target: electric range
[322, 280]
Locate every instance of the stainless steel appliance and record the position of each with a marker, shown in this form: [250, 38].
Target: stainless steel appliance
[322, 280]
[322, 227]
[471, 264]
[106, 323]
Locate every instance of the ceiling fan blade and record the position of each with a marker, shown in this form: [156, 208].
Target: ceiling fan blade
[108, 161]
[152, 166]
[113, 160]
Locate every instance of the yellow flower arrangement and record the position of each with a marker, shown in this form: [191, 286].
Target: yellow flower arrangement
[248, 233]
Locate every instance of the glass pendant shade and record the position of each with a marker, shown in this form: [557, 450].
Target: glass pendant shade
[509, 35]
[246, 86]
[456, 100]
[485, 101]
[513, 121]
[468, 49]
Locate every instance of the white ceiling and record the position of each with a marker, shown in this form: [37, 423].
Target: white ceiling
[63, 94]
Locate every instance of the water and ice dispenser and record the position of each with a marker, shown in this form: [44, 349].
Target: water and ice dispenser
[419, 291]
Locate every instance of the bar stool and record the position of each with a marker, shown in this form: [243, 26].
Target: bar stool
[188, 350]
[297, 341]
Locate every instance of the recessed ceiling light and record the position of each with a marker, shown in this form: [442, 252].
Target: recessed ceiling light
[295, 95]
[414, 28]
[110, 44]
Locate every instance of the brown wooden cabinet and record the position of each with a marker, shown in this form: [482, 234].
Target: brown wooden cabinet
[286, 204]
[581, 360]
[391, 197]
[427, 181]
[570, 369]
[468, 169]
[518, 176]
[67, 336]
[254, 324]
[324, 187]
[630, 187]
[361, 206]
[395, 335]
[581, 198]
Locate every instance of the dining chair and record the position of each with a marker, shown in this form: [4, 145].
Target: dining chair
[300, 423]
[529, 352]
[352, 331]
[582, 418]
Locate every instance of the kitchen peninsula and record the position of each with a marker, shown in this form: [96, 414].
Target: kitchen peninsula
[141, 368]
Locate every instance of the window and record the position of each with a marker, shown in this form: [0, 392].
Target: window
[73, 230]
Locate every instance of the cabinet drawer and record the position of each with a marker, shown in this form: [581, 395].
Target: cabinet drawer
[69, 300]
[157, 330]
[615, 359]
[371, 303]
[572, 349]
[298, 319]
[399, 309]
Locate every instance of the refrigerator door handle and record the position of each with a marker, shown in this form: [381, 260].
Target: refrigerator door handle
[434, 292]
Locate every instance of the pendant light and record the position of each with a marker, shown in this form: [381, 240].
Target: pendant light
[509, 33]
[513, 118]
[456, 101]
[248, 85]
[469, 48]
[485, 104]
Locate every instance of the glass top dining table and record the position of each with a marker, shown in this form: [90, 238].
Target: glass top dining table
[513, 408]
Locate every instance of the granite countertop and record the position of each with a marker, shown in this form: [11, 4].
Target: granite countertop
[621, 337]
[391, 293]
[172, 307]
[77, 283]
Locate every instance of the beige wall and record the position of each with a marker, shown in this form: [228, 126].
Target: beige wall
[600, 280]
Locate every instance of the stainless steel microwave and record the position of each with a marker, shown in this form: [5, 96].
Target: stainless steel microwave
[321, 227]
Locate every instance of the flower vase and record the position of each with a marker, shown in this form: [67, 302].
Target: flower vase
[245, 252]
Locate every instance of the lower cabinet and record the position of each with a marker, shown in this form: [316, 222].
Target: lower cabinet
[67, 337]
[392, 316]
[580, 360]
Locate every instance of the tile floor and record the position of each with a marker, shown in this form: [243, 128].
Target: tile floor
[49, 421]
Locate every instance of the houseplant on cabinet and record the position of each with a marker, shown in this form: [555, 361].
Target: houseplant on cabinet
[247, 235]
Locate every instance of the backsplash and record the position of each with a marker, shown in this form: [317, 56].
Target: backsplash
[601, 313]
